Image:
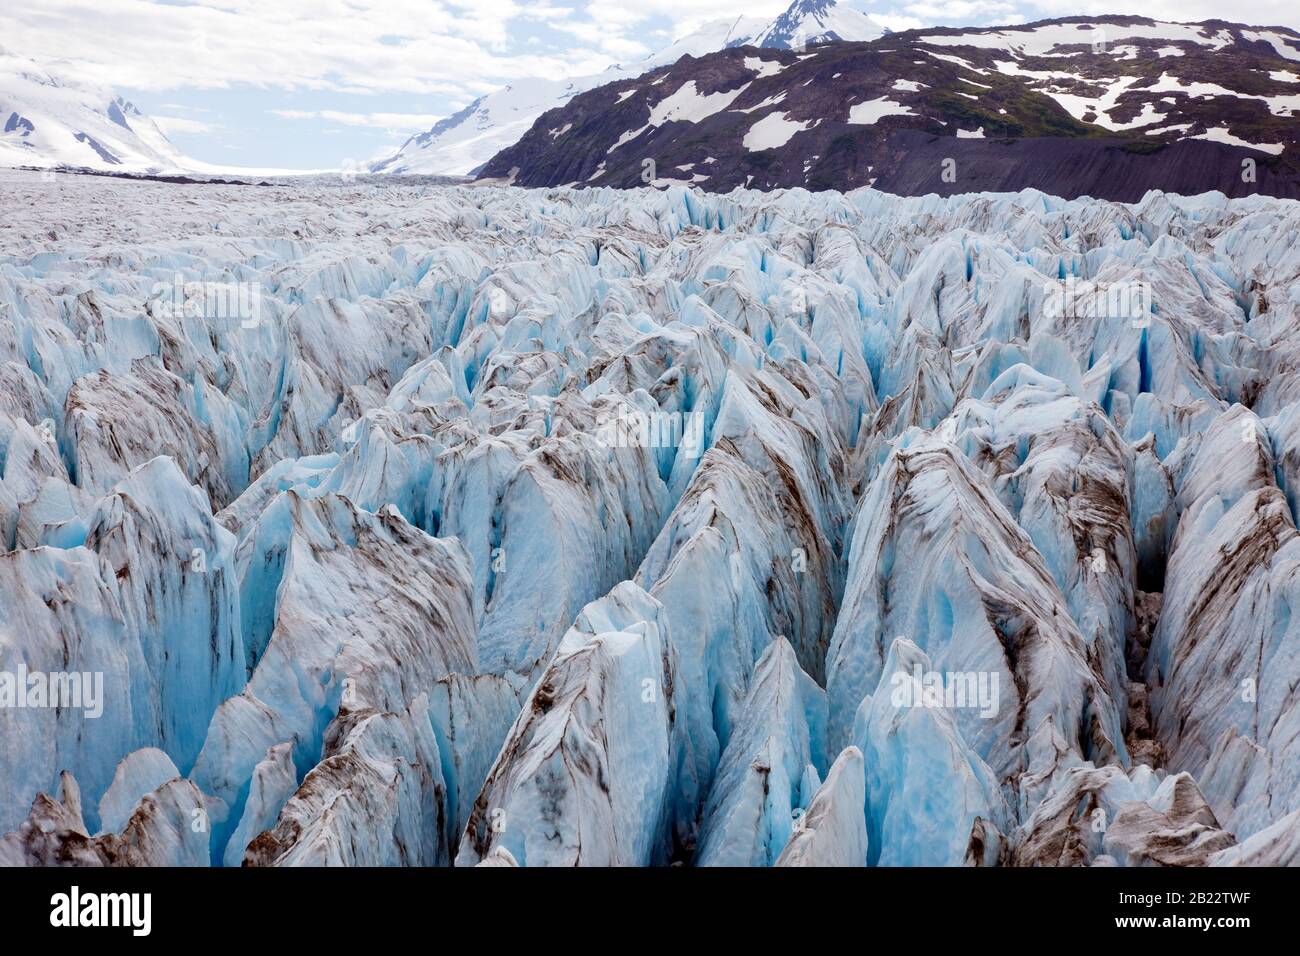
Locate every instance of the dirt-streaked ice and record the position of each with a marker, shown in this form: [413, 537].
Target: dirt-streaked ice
[503, 527]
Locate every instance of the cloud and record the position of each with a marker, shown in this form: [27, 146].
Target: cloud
[686, 17]
[438, 47]
[966, 11]
[400, 122]
[898, 22]
[176, 124]
[363, 46]
[607, 37]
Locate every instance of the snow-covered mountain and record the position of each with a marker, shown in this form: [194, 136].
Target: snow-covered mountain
[1100, 106]
[48, 120]
[397, 525]
[810, 22]
[463, 142]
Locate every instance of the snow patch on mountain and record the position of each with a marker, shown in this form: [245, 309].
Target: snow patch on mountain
[772, 131]
[1045, 39]
[872, 111]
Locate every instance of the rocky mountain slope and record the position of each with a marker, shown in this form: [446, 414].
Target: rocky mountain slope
[463, 142]
[1108, 107]
[485, 526]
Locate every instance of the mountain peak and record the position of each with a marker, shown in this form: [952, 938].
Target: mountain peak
[53, 119]
[464, 142]
[805, 8]
[808, 22]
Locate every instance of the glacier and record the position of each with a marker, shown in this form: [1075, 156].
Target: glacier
[649, 527]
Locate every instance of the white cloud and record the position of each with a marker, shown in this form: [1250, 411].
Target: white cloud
[403, 122]
[438, 47]
[958, 12]
[176, 124]
[896, 22]
[369, 46]
[607, 37]
[689, 16]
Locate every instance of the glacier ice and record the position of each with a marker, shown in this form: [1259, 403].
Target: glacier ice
[525, 528]
[833, 830]
[763, 776]
[927, 790]
[585, 776]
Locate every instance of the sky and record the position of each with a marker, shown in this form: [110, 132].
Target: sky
[321, 84]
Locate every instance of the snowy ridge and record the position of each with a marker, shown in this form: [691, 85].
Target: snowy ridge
[601, 527]
[462, 143]
[47, 120]
[809, 22]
